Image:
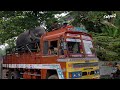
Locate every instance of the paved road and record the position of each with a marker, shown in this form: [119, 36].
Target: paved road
[105, 68]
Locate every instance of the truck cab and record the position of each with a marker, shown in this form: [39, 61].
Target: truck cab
[73, 49]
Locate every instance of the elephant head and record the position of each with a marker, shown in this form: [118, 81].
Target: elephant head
[30, 36]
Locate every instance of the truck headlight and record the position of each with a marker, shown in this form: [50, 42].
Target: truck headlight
[75, 74]
[97, 72]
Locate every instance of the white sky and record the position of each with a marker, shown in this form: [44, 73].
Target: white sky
[3, 46]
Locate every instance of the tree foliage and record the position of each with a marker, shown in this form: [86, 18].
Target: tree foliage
[12, 23]
[107, 47]
[106, 32]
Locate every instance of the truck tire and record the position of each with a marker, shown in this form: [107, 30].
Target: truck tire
[13, 75]
[53, 77]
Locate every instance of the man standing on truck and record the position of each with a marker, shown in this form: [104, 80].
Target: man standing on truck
[65, 24]
[55, 25]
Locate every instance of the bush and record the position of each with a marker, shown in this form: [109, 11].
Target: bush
[107, 47]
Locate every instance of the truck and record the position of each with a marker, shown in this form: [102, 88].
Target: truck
[65, 53]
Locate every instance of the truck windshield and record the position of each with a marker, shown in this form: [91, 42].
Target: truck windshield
[73, 45]
[88, 47]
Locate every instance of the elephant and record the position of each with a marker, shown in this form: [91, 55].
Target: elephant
[29, 38]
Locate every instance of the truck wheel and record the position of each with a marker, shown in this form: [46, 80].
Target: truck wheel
[13, 75]
[53, 77]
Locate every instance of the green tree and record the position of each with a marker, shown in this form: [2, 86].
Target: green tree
[12, 23]
[106, 32]
[107, 47]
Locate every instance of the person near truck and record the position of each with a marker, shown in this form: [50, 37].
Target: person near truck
[117, 73]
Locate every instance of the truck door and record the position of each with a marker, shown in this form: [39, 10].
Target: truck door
[50, 51]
